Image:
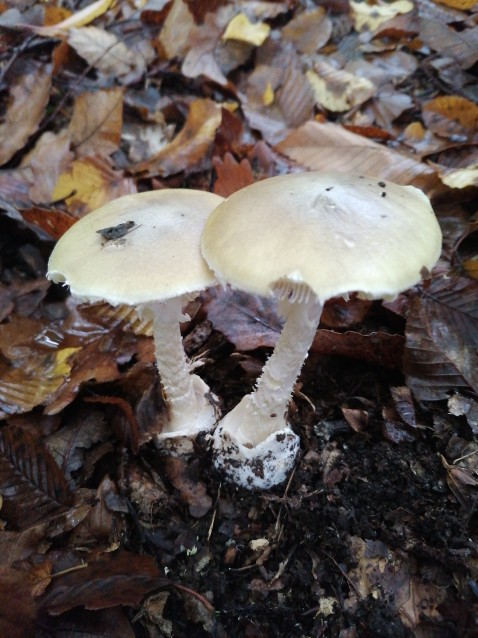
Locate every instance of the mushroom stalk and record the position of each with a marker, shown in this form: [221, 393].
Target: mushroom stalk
[186, 393]
[276, 383]
[267, 405]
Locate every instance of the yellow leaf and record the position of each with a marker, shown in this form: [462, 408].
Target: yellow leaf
[461, 5]
[460, 177]
[371, 16]
[240, 28]
[78, 19]
[338, 90]
[452, 116]
[471, 267]
[90, 183]
[268, 95]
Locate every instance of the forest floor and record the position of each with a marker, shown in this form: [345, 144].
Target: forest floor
[375, 533]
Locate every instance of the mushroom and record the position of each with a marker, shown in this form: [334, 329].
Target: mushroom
[143, 250]
[305, 238]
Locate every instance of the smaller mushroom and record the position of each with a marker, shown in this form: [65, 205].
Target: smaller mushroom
[143, 250]
[305, 238]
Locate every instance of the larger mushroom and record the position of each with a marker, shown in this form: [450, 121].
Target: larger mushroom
[305, 238]
[143, 250]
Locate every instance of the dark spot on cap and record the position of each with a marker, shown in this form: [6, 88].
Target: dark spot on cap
[383, 216]
[384, 194]
[382, 184]
[329, 188]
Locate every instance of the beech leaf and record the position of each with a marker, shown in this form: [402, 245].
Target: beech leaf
[441, 351]
[32, 485]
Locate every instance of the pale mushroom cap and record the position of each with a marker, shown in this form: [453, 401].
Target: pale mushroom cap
[334, 232]
[157, 259]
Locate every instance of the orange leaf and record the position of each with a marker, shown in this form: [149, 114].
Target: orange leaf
[452, 117]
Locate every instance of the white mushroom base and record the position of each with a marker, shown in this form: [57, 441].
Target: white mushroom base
[178, 436]
[259, 466]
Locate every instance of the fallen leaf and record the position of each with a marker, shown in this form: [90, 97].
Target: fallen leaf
[118, 578]
[453, 117]
[105, 52]
[201, 58]
[337, 90]
[29, 96]
[441, 351]
[175, 32]
[459, 178]
[95, 127]
[328, 146]
[461, 5]
[240, 28]
[89, 183]
[231, 175]
[75, 20]
[33, 486]
[53, 222]
[192, 491]
[42, 166]
[371, 16]
[460, 45]
[309, 30]
[248, 321]
[17, 607]
[191, 144]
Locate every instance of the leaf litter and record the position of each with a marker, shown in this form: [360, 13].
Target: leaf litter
[375, 533]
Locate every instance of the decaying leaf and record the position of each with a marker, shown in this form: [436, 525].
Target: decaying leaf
[75, 20]
[309, 30]
[232, 175]
[371, 16]
[119, 578]
[29, 95]
[107, 53]
[17, 606]
[328, 146]
[175, 32]
[453, 117]
[32, 485]
[442, 339]
[240, 28]
[459, 45]
[89, 183]
[97, 120]
[338, 90]
[191, 144]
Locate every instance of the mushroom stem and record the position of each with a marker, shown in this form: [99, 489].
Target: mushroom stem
[261, 413]
[186, 393]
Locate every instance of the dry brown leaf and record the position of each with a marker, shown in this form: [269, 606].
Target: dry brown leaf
[44, 164]
[89, 183]
[462, 46]
[337, 90]
[442, 339]
[176, 30]
[328, 146]
[459, 177]
[107, 53]
[309, 30]
[231, 175]
[17, 607]
[191, 144]
[453, 117]
[29, 95]
[201, 56]
[97, 120]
